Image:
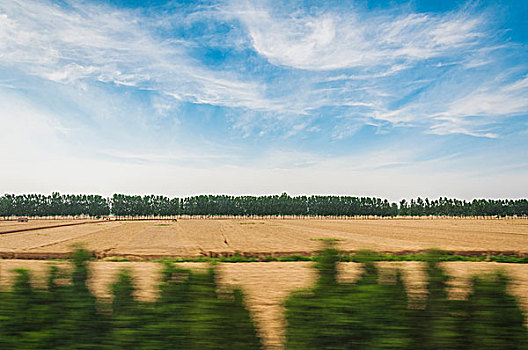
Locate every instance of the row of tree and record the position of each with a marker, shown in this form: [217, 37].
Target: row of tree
[125, 205]
[376, 312]
[190, 313]
[455, 207]
[275, 205]
[55, 204]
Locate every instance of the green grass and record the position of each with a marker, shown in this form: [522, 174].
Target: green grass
[237, 258]
[352, 258]
[115, 259]
[162, 225]
[444, 257]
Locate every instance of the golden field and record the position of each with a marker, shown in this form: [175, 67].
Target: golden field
[210, 237]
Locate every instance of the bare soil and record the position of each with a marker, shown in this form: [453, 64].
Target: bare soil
[11, 225]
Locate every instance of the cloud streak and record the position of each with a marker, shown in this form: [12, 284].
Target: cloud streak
[97, 43]
[351, 39]
[380, 56]
[384, 57]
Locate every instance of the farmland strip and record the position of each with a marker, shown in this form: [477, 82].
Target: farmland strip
[46, 227]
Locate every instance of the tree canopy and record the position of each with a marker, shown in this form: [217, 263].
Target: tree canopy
[123, 205]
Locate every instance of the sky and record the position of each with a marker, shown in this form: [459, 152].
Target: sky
[393, 99]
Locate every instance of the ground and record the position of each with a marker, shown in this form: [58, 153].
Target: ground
[147, 239]
[266, 284]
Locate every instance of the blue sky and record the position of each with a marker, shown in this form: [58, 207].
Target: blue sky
[381, 98]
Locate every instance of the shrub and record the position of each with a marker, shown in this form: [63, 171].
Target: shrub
[369, 314]
[189, 313]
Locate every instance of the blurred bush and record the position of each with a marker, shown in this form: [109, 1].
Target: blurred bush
[191, 312]
[369, 314]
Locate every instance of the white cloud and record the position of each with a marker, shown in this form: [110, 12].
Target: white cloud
[491, 103]
[496, 99]
[354, 68]
[459, 126]
[382, 58]
[100, 43]
[461, 106]
[336, 40]
[86, 43]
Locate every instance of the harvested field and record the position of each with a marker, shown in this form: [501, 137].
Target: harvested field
[209, 237]
[40, 239]
[13, 225]
[267, 284]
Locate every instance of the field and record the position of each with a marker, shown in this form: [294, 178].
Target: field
[12, 225]
[188, 238]
[266, 284]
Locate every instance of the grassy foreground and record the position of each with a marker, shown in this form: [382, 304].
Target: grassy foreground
[192, 312]
[442, 256]
[369, 314]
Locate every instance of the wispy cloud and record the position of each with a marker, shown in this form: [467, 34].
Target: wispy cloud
[361, 62]
[398, 66]
[351, 38]
[492, 100]
[86, 41]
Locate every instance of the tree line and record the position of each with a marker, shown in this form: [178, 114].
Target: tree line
[55, 204]
[122, 205]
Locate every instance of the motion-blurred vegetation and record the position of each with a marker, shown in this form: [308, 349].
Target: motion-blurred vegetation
[374, 312]
[190, 313]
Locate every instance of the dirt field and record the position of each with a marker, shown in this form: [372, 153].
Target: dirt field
[209, 237]
[267, 284]
[12, 225]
